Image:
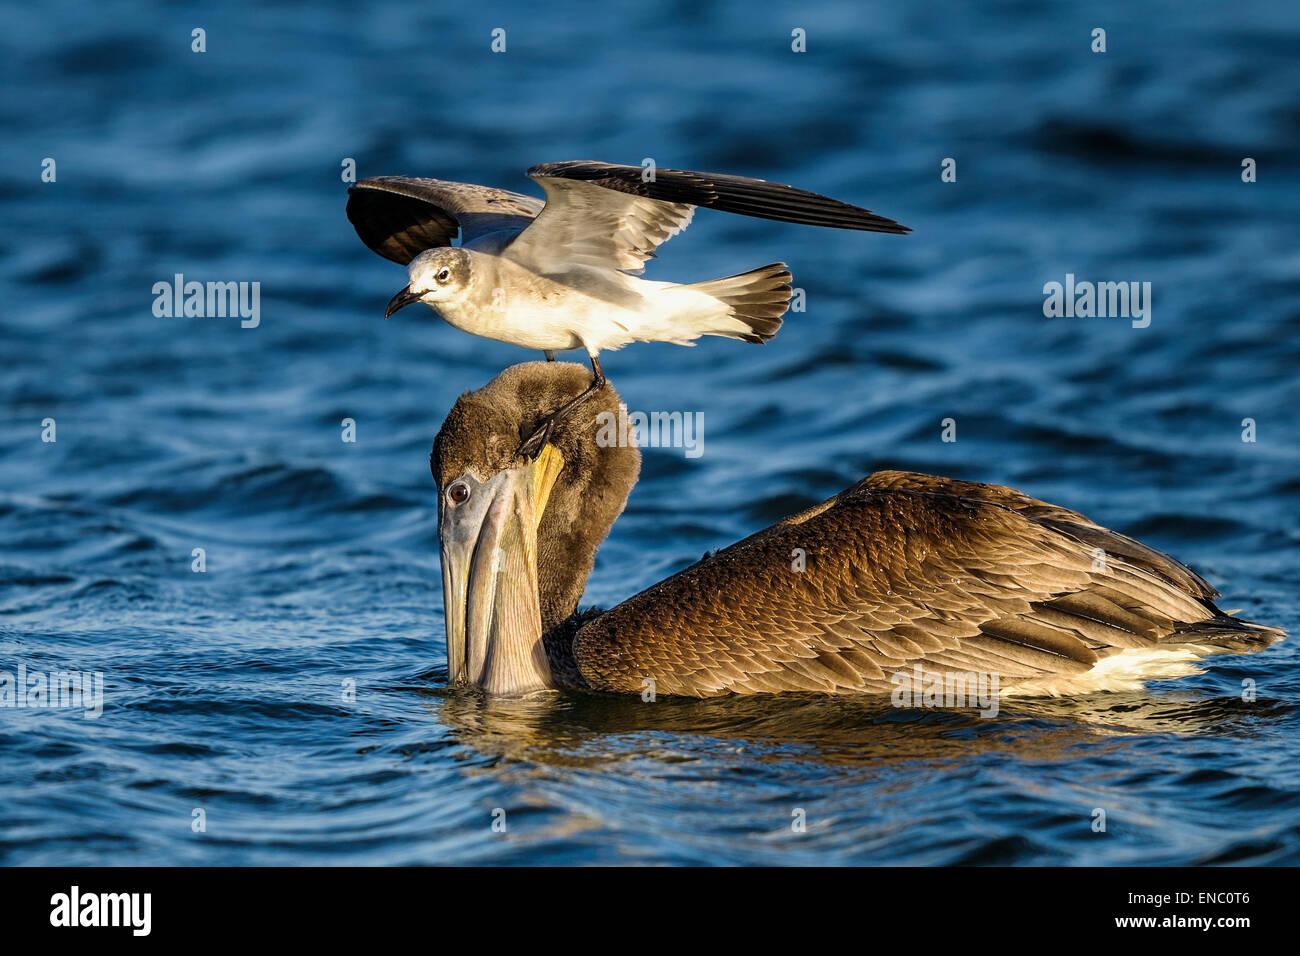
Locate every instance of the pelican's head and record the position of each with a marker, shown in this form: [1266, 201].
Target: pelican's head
[435, 275]
[519, 534]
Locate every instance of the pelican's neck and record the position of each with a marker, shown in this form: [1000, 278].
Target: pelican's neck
[574, 524]
[565, 559]
[564, 564]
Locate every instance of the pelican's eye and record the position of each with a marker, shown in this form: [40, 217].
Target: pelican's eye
[458, 493]
[443, 275]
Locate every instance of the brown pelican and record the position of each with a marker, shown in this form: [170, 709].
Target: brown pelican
[899, 573]
[562, 274]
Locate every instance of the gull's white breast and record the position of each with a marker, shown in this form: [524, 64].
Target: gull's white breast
[585, 307]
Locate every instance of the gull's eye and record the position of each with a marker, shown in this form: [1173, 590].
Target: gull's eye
[443, 274]
[458, 493]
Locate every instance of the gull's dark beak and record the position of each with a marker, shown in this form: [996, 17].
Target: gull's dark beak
[401, 301]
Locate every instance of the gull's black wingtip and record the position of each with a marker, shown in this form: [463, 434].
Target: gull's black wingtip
[891, 227]
[743, 195]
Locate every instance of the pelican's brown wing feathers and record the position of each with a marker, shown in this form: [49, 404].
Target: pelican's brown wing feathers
[901, 570]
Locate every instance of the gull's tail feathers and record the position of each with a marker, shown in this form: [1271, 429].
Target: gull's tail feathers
[754, 302]
[746, 307]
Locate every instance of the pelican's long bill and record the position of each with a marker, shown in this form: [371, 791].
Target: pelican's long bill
[489, 578]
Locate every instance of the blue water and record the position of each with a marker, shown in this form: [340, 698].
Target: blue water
[224, 690]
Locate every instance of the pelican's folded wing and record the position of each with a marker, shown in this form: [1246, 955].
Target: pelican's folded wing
[399, 216]
[904, 570]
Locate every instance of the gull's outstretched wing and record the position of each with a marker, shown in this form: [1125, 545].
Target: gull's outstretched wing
[611, 216]
[905, 570]
[399, 216]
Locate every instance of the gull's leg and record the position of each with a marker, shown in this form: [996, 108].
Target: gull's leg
[550, 354]
[534, 443]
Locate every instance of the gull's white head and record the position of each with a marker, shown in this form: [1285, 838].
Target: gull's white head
[435, 275]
